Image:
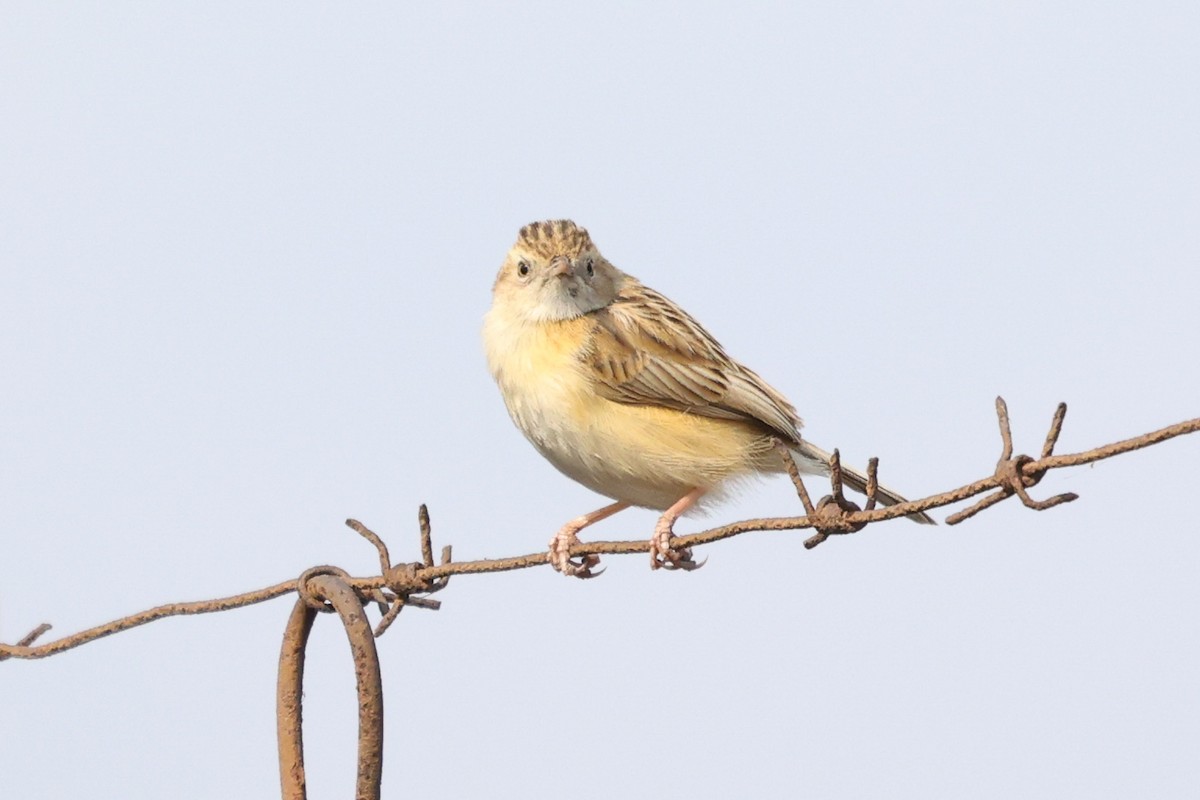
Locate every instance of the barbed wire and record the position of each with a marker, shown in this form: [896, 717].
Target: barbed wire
[410, 584]
[331, 589]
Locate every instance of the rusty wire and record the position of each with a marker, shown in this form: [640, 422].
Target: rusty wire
[410, 584]
[327, 589]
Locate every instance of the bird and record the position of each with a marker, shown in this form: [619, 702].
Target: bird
[626, 393]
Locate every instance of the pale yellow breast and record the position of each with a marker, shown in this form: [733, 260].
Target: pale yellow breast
[646, 455]
[537, 367]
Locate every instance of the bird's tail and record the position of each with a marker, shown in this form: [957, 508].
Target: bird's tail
[817, 460]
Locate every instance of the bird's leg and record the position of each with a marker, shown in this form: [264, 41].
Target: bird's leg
[560, 545]
[661, 554]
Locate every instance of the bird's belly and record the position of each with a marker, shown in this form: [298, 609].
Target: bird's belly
[644, 455]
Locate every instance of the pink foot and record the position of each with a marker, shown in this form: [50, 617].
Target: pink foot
[663, 557]
[568, 535]
[560, 555]
[661, 554]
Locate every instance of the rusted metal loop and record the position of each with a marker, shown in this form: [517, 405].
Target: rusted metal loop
[290, 690]
[312, 599]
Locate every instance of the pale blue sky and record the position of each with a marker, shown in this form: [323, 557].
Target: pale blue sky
[244, 255]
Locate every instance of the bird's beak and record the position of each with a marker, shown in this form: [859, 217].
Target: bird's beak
[560, 267]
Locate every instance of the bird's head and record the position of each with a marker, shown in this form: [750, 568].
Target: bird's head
[554, 272]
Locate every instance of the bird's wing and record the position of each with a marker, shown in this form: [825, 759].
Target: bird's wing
[648, 351]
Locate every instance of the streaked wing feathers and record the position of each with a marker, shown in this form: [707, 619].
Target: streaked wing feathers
[648, 351]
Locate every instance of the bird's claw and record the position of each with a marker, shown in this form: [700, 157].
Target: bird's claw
[560, 558]
[662, 556]
[685, 561]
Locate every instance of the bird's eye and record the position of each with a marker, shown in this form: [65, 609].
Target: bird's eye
[591, 268]
[522, 268]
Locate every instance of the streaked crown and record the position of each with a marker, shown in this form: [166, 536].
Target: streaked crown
[560, 237]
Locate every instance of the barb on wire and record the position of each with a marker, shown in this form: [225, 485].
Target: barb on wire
[405, 585]
[411, 584]
[833, 513]
[1013, 475]
[794, 473]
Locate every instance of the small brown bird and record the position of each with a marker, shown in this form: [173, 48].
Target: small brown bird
[624, 392]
